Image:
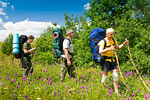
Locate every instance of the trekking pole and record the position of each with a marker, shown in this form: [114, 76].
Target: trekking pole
[136, 68]
[33, 62]
[122, 75]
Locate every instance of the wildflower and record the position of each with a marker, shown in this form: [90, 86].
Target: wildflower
[14, 95]
[86, 90]
[16, 74]
[82, 87]
[138, 90]
[110, 91]
[33, 80]
[132, 94]
[14, 80]
[60, 97]
[84, 76]
[67, 87]
[53, 85]
[54, 93]
[145, 97]
[118, 86]
[0, 77]
[26, 96]
[38, 98]
[41, 79]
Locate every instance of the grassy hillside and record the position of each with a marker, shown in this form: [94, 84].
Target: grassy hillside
[44, 84]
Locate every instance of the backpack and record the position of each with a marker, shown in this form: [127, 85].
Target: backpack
[57, 42]
[22, 40]
[96, 36]
[58, 39]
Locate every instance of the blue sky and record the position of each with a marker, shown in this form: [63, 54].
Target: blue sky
[34, 16]
[44, 10]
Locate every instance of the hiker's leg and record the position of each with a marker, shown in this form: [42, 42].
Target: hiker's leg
[24, 67]
[115, 79]
[29, 67]
[71, 70]
[105, 69]
[115, 75]
[63, 69]
[104, 77]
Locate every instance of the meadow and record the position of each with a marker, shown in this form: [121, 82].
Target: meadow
[44, 83]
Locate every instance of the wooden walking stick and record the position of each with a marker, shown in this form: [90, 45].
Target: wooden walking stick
[121, 74]
[136, 68]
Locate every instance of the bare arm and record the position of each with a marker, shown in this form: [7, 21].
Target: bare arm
[122, 45]
[29, 51]
[101, 50]
[67, 56]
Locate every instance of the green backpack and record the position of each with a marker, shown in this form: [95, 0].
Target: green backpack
[57, 42]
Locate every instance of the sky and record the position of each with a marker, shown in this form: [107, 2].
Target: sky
[34, 16]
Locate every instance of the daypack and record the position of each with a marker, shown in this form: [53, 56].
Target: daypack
[22, 40]
[96, 36]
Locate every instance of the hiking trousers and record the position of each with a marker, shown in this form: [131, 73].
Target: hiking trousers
[26, 66]
[65, 68]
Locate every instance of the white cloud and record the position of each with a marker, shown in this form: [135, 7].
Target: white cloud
[12, 7]
[87, 6]
[1, 12]
[24, 27]
[4, 4]
[1, 21]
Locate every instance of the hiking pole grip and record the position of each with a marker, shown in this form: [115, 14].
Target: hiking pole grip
[136, 68]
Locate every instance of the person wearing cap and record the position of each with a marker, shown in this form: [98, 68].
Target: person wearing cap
[106, 48]
[26, 59]
[67, 56]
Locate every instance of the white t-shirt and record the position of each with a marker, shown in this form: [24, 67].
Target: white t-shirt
[68, 45]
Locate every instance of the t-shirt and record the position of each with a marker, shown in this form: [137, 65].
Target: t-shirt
[28, 47]
[108, 44]
[69, 45]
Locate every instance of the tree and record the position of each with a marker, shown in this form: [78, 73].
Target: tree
[7, 45]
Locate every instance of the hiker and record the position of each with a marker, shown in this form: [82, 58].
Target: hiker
[106, 48]
[26, 59]
[67, 56]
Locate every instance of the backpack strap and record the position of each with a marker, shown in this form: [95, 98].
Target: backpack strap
[69, 41]
[106, 42]
[114, 41]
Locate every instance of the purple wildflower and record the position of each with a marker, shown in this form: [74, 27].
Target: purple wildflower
[60, 97]
[132, 94]
[14, 95]
[41, 79]
[14, 80]
[138, 90]
[82, 87]
[0, 77]
[145, 97]
[53, 85]
[16, 74]
[110, 91]
[84, 76]
[54, 93]
[33, 80]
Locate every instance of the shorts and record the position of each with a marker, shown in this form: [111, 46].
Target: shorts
[108, 66]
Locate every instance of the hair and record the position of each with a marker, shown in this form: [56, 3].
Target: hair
[108, 30]
[30, 37]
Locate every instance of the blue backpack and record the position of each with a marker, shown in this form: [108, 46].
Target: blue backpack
[96, 36]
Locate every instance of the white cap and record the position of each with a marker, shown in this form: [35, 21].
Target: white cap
[108, 30]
